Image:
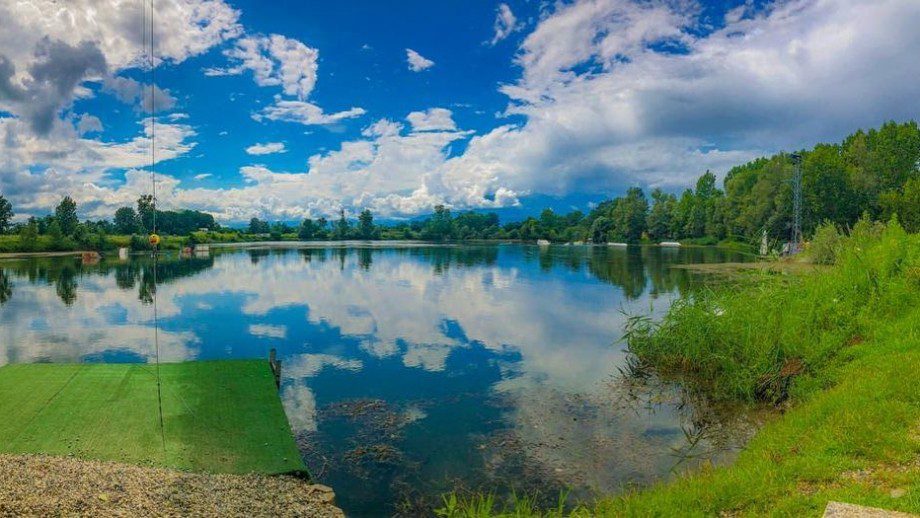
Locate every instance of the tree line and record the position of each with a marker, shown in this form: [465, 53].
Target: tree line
[63, 230]
[875, 173]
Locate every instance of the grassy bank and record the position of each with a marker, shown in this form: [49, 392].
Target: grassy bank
[838, 349]
[14, 244]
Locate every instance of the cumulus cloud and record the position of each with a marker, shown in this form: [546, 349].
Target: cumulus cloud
[182, 28]
[266, 149]
[274, 60]
[53, 76]
[505, 23]
[144, 97]
[35, 171]
[304, 113]
[432, 119]
[88, 124]
[417, 62]
[603, 101]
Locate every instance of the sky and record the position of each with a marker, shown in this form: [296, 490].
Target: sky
[291, 109]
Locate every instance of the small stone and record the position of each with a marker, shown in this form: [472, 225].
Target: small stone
[898, 492]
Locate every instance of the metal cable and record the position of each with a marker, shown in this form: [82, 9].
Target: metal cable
[153, 181]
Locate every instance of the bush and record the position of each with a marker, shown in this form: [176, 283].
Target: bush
[823, 247]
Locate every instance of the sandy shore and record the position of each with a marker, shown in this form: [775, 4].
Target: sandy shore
[56, 486]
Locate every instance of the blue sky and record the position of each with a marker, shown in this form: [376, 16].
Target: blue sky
[293, 109]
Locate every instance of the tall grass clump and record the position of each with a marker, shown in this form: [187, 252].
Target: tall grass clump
[776, 334]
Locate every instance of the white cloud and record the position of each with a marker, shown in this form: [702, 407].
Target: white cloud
[300, 407]
[304, 113]
[202, 176]
[505, 23]
[142, 96]
[309, 365]
[382, 128]
[417, 62]
[183, 28]
[88, 124]
[266, 149]
[432, 119]
[274, 60]
[597, 106]
[35, 171]
[268, 331]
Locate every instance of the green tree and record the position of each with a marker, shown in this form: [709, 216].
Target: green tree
[366, 224]
[6, 215]
[146, 212]
[905, 204]
[659, 221]
[257, 226]
[628, 217]
[126, 221]
[56, 234]
[28, 235]
[66, 216]
[440, 226]
[308, 229]
[277, 231]
[342, 227]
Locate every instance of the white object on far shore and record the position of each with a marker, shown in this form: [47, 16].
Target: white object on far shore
[669, 243]
[617, 244]
[542, 242]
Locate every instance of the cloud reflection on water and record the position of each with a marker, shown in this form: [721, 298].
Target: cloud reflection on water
[531, 332]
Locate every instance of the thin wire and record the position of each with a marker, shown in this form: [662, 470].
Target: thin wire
[153, 181]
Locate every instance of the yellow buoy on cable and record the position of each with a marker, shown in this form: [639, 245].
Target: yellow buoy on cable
[154, 240]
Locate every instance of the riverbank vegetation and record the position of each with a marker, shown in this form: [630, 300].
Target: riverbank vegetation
[835, 348]
[871, 172]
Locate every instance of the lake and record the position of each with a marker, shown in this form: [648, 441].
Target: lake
[407, 370]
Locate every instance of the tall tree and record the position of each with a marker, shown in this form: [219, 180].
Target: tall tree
[126, 221]
[6, 214]
[145, 212]
[628, 216]
[257, 226]
[308, 229]
[366, 224]
[659, 218]
[341, 226]
[66, 216]
[440, 226]
[28, 235]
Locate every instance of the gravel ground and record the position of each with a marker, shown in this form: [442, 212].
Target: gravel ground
[56, 486]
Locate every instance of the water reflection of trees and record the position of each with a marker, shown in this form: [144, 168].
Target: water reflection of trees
[6, 287]
[65, 274]
[634, 270]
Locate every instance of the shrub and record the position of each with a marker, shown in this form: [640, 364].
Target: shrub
[823, 247]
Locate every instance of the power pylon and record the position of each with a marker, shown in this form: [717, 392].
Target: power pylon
[796, 244]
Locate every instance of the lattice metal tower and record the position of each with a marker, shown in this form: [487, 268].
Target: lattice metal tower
[796, 243]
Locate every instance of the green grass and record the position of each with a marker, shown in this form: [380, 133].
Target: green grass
[222, 417]
[776, 334]
[837, 348]
[11, 243]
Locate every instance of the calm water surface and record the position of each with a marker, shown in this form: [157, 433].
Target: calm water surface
[409, 370]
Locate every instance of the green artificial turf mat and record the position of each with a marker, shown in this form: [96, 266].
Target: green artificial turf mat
[218, 416]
